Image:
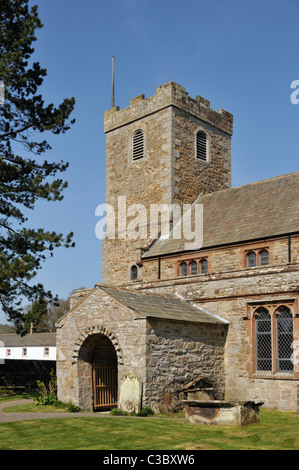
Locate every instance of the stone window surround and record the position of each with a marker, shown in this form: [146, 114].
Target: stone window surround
[139, 272]
[257, 249]
[189, 261]
[137, 127]
[208, 144]
[273, 308]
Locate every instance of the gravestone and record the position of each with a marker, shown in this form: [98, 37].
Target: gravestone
[130, 393]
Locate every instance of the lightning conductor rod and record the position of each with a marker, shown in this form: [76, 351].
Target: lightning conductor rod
[112, 98]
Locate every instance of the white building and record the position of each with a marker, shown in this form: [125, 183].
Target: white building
[36, 346]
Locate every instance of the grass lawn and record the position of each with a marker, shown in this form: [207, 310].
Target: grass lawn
[276, 431]
[14, 397]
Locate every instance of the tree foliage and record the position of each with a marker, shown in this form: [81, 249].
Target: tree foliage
[25, 177]
[43, 315]
[35, 314]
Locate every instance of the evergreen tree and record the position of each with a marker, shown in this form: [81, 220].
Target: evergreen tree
[35, 315]
[24, 120]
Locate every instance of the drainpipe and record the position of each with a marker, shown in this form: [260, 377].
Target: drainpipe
[289, 248]
[159, 267]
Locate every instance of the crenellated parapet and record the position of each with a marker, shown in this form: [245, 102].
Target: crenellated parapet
[169, 94]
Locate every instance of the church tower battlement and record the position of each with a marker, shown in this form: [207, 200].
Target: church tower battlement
[165, 149]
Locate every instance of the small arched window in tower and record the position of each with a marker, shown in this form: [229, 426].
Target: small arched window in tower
[203, 266]
[183, 269]
[264, 257]
[201, 146]
[138, 144]
[134, 272]
[251, 259]
[193, 267]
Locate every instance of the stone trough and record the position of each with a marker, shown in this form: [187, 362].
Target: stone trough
[222, 412]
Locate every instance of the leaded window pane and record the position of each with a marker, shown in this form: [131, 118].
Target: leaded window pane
[263, 340]
[264, 258]
[203, 266]
[193, 267]
[184, 270]
[251, 259]
[284, 340]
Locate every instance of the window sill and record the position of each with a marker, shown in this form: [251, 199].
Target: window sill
[275, 376]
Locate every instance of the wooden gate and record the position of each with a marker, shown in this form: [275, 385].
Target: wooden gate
[104, 385]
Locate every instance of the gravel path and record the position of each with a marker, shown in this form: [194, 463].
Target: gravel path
[12, 416]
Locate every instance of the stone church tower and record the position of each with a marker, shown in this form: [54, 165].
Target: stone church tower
[166, 149]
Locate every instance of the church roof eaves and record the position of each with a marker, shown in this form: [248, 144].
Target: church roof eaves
[259, 210]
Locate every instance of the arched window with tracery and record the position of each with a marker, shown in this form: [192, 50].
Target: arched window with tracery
[274, 335]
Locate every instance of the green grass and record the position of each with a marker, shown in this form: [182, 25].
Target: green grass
[34, 408]
[5, 398]
[276, 431]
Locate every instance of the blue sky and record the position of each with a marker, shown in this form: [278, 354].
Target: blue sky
[240, 55]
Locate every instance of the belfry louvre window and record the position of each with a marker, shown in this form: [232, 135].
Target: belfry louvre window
[201, 146]
[138, 144]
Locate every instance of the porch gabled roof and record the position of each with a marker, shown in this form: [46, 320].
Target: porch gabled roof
[162, 306]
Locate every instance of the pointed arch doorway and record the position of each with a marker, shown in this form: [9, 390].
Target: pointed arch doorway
[98, 361]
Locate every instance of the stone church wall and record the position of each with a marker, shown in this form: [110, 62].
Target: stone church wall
[191, 175]
[222, 260]
[179, 353]
[228, 296]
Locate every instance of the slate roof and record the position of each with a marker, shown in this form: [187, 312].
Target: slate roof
[162, 306]
[254, 211]
[37, 339]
